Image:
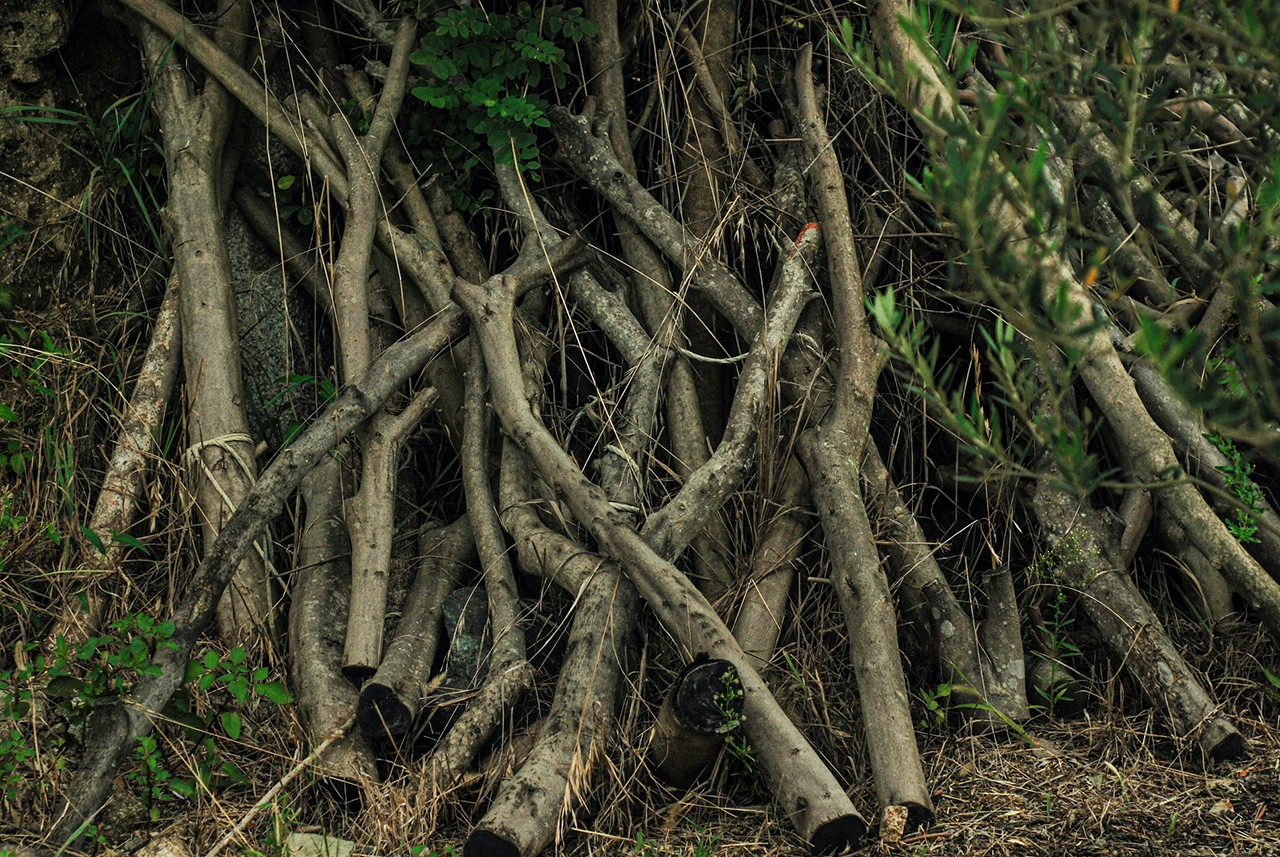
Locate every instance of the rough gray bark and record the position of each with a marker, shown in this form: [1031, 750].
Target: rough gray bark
[321, 595]
[220, 452]
[831, 453]
[1082, 557]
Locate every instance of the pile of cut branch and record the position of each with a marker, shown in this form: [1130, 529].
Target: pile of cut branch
[663, 378]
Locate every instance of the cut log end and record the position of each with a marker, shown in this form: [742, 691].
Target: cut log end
[381, 713]
[1222, 741]
[838, 835]
[708, 697]
[486, 843]
[918, 816]
[704, 705]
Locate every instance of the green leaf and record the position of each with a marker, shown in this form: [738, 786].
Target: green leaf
[285, 182]
[126, 539]
[6, 413]
[230, 724]
[273, 691]
[64, 686]
[94, 539]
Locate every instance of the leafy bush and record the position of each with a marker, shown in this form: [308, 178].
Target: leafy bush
[481, 72]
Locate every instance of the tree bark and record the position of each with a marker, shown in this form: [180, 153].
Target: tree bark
[832, 454]
[221, 450]
[1082, 558]
[321, 597]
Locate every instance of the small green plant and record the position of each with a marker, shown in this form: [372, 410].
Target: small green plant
[1060, 647]
[360, 119]
[936, 703]
[326, 391]
[1238, 473]
[150, 777]
[795, 672]
[480, 72]
[421, 851]
[706, 845]
[1272, 692]
[124, 152]
[293, 201]
[236, 676]
[105, 666]
[234, 673]
[729, 702]
[16, 750]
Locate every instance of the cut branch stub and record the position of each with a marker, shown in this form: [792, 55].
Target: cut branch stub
[705, 704]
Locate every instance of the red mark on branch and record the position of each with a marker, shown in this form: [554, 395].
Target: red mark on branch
[805, 231]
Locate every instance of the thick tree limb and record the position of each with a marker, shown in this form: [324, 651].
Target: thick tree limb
[241, 85]
[832, 453]
[318, 614]
[370, 516]
[220, 451]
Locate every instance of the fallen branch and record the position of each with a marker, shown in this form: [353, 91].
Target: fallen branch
[321, 594]
[389, 701]
[1083, 558]
[831, 453]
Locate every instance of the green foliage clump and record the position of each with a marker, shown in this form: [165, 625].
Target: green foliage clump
[78, 678]
[1238, 474]
[481, 72]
